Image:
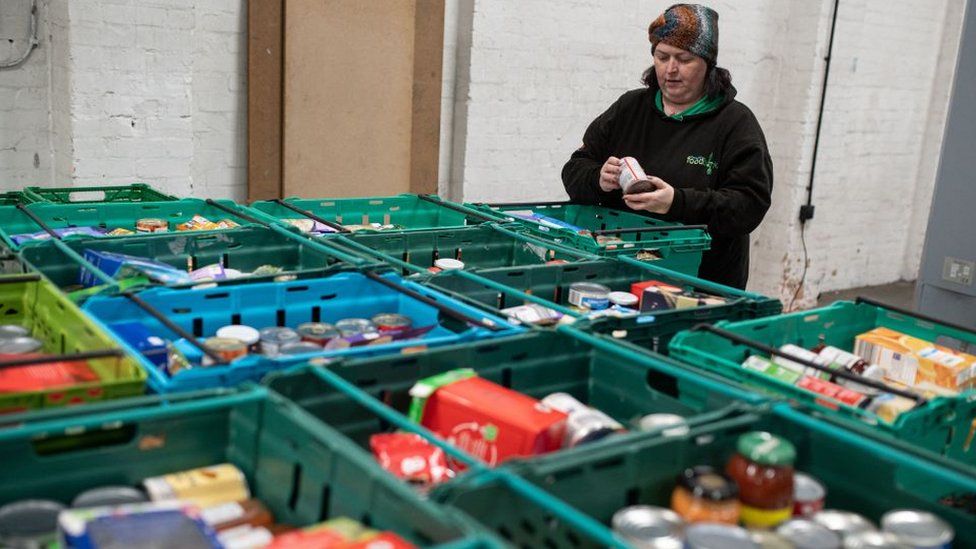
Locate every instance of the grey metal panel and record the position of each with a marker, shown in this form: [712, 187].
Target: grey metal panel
[947, 278]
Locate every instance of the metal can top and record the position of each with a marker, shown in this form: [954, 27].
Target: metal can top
[874, 540]
[10, 331]
[806, 534]
[354, 326]
[807, 488]
[28, 522]
[918, 528]
[844, 523]
[587, 426]
[225, 344]
[279, 334]
[590, 288]
[245, 334]
[647, 526]
[386, 322]
[710, 535]
[672, 424]
[624, 299]
[318, 330]
[769, 540]
[20, 345]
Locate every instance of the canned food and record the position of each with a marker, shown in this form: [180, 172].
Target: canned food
[391, 322]
[710, 535]
[588, 426]
[10, 331]
[29, 523]
[448, 264]
[587, 295]
[808, 495]
[671, 425]
[624, 299]
[245, 334]
[703, 494]
[300, 348]
[349, 327]
[806, 534]
[843, 523]
[632, 177]
[20, 345]
[769, 540]
[649, 527]
[151, 225]
[319, 333]
[225, 347]
[919, 529]
[875, 540]
[108, 495]
[206, 486]
[274, 338]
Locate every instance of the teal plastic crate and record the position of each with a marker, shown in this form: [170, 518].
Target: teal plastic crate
[860, 475]
[242, 249]
[136, 192]
[483, 247]
[680, 247]
[304, 471]
[621, 383]
[12, 198]
[943, 426]
[492, 288]
[17, 220]
[408, 212]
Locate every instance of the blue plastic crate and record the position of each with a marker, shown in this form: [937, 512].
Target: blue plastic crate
[343, 295]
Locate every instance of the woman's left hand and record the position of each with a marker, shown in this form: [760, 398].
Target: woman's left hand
[657, 201]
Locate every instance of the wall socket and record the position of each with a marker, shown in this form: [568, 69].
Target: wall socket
[959, 271]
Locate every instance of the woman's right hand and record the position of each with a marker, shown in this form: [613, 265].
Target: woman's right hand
[610, 174]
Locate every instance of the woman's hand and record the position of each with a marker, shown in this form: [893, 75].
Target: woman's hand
[610, 174]
[657, 201]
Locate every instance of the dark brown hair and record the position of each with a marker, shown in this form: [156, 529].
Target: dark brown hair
[718, 81]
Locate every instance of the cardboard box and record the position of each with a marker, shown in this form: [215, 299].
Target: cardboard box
[912, 361]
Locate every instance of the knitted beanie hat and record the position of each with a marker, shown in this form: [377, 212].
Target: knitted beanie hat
[691, 27]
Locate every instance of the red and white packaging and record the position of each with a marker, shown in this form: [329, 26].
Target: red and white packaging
[832, 391]
[410, 457]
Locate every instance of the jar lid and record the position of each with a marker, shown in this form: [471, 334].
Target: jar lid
[448, 264]
[625, 299]
[706, 483]
[766, 449]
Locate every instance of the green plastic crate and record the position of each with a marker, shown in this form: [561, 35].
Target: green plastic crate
[551, 283]
[12, 198]
[860, 475]
[484, 247]
[621, 383]
[409, 211]
[944, 426]
[680, 248]
[36, 304]
[14, 221]
[136, 192]
[304, 471]
[243, 249]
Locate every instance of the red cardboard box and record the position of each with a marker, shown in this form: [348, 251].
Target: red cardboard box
[659, 295]
[491, 422]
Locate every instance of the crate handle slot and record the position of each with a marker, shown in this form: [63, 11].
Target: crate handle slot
[311, 216]
[912, 314]
[86, 196]
[88, 439]
[839, 373]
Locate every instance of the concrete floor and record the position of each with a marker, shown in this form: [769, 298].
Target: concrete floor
[899, 294]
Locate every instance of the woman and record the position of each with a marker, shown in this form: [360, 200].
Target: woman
[703, 151]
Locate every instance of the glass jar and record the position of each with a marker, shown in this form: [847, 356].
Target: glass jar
[706, 495]
[762, 467]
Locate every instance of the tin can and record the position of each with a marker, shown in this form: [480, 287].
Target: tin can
[319, 333]
[10, 331]
[206, 486]
[808, 495]
[20, 345]
[624, 299]
[806, 534]
[349, 327]
[588, 426]
[29, 523]
[919, 529]
[108, 495]
[632, 177]
[274, 338]
[587, 295]
[875, 540]
[710, 535]
[391, 322]
[151, 225]
[843, 523]
[769, 540]
[649, 527]
[245, 334]
[671, 425]
[300, 348]
[225, 347]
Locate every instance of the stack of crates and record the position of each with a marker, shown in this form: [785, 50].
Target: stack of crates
[299, 427]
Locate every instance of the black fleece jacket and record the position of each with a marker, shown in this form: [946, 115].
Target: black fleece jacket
[717, 162]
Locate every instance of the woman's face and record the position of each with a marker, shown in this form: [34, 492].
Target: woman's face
[680, 74]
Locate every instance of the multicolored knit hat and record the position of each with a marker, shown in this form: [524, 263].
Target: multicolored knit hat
[690, 27]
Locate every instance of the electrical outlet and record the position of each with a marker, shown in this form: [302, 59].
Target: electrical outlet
[806, 212]
[959, 271]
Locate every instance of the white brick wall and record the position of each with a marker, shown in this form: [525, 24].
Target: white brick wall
[537, 73]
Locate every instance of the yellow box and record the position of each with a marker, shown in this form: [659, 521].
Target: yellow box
[913, 361]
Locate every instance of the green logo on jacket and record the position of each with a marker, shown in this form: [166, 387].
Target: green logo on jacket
[702, 161]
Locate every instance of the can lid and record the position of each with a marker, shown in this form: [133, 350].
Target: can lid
[644, 523]
[806, 534]
[713, 535]
[874, 540]
[625, 299]
[918, 528]
[245, 334]
[807, 488]
[705, 482]
[448, 264]
[843, 522]
[766, 449]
